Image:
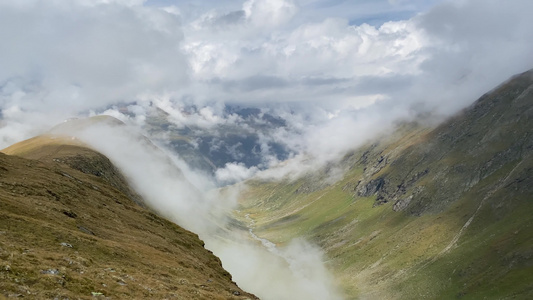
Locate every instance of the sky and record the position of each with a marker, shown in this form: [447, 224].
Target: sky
[340, 72]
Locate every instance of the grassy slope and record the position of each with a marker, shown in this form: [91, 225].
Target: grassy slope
[465, 233]
[68, 228]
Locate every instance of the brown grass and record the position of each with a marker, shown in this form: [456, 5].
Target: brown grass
[68, 233]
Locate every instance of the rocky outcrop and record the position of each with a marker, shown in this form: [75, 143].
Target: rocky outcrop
[373, 187]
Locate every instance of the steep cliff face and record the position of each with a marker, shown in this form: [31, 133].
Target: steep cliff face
[71, 227]
[424, 212]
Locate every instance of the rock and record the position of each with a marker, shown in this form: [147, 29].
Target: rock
[402, 203]
[14, 295]
[371, 188]
[86, 230]
[70, 214]
[50, 272]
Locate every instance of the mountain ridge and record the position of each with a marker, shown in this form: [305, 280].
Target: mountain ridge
[423, 213]
[70, 229]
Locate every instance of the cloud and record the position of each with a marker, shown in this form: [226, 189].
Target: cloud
[475, 45]
[233, 173]
[404, 60]
[269, 13]
[331, 76]
[324, 72]
[155, 176]
[275, 67]
[89, 55]
[167, 186]
[221, 21]
[66, 57]
[294, 272]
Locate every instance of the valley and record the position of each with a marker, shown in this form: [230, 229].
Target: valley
[266, 149]
[423, 212]
[426, 211]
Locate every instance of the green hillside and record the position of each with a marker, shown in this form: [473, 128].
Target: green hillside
[434, 213]
[72, 228]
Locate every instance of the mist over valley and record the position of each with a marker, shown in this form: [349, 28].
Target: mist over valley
[286, 149]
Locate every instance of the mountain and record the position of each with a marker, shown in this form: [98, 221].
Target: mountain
[72, 228]
[423, 213]
[240, 138]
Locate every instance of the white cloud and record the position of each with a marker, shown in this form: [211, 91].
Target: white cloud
[473, 46]
[335, 84]
[119, 2]
[268, 13]
[136, 114]
[293, 272]
[65, 57]
[234, 172]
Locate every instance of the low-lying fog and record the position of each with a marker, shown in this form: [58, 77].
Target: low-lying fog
[296, 271]
[336, 72]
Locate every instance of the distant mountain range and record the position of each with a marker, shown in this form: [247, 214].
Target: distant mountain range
[208, 149]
